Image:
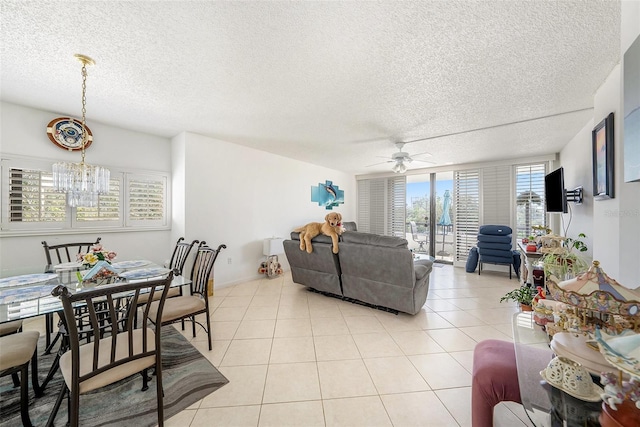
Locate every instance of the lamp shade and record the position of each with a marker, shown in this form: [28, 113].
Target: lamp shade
[273, 246]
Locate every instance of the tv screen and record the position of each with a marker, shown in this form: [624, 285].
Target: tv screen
[554, 193]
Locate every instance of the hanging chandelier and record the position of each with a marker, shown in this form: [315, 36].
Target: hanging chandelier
[82, 182]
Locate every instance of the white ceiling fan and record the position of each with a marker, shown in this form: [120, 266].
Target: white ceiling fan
[401, 158]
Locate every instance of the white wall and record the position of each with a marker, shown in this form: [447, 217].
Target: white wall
[615, 223]
[576, 159]
[239, 196]
[23, 133]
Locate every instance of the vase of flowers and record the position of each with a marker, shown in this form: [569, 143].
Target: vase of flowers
[95, 254]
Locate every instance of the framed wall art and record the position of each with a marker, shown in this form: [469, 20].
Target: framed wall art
[603, 160]
[631, 76]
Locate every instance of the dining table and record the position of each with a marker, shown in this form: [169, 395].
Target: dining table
[27, 296]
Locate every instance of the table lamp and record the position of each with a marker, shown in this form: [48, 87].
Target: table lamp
[271, 248]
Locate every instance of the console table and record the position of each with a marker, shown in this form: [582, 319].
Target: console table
[529, 258]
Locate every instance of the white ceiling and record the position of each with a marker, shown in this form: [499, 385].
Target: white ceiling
[326, 82]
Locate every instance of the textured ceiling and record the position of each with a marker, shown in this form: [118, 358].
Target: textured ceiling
[330, 83]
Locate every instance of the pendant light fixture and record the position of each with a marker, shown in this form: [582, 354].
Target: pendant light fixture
[82, 183]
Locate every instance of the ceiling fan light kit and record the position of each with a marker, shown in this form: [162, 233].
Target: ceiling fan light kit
[399, 167]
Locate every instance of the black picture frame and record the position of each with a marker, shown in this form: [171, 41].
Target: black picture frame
[603, 160]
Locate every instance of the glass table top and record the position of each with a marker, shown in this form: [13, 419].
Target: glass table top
[29, 295]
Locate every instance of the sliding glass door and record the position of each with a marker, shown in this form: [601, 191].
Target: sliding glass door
[430, 215]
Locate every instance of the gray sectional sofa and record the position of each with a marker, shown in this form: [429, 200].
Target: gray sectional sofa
[369, 268]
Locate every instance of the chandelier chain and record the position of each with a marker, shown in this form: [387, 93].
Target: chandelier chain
[84, 108]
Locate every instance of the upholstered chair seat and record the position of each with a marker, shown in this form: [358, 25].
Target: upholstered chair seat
[173, 292]
[10, 327]
[179, 307]
[16, 350]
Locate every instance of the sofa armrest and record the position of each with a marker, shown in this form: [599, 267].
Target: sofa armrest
[422, 267]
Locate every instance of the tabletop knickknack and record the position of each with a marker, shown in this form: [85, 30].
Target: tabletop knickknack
[102, 273]
[595, 300]
[591, 303]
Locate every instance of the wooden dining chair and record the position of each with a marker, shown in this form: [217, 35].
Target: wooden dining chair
[58, 254]
[16, 350]
[118, 348]
[187, 307]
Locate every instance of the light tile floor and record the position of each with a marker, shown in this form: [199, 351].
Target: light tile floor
[298, 358]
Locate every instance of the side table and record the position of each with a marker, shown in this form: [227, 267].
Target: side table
[529, 258]
[545, 405]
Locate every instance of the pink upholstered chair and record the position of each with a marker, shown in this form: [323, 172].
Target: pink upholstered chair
[495, 379]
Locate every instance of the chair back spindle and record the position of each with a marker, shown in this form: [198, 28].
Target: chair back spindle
[66, 252]
[180, 255]
[202, 267]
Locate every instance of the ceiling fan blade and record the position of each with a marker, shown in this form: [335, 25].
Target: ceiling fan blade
[381, 163]
[426, 153]
[418, 140]
[424, 161]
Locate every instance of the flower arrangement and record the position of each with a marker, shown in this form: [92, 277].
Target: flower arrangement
[95, 254]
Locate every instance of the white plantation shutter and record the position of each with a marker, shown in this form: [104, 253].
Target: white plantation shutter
[382, 206]
[529, 196]
[397, 206]
[496, 195]
[32, 199]
[107, 213]
[147, 195]
[29, 203]
[466, 199]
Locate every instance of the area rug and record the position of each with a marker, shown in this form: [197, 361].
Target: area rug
[187, 377]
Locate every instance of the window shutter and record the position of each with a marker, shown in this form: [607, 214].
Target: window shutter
[107, 213]
[382, 206]
[466, 198]
[32, 198]
[530, 204]
[397, 206]
[364, 205]
[29, 203]
[496, 195]
[147, 195]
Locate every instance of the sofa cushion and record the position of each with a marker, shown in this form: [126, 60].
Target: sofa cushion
[497, 259]
[320, 238]
[495, 230]
[494, 239]
[495, 246]
[374, 240]
[350, 226]
[495, 253]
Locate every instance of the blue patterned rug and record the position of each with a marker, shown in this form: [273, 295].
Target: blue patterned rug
[187, 377]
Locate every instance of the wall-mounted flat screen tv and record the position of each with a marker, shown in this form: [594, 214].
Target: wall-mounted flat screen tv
[555, 195]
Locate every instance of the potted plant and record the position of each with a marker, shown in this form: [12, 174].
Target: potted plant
[565, 263]
[522, 295]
